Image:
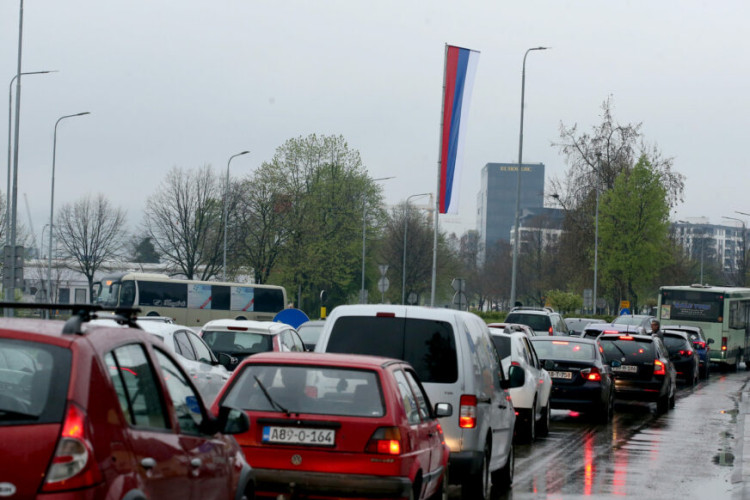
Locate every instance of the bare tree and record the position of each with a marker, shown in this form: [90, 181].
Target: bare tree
[184, 219]
[90, 231]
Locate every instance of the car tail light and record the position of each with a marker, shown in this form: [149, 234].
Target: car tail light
[385, 441]
[683, 352]
[73, 464]
[467, 414]
[385, 315]
[723, 343]
[550, 331]
[659, 368]
[591, 374]
[699, 345]
[237, 328]
[610, 331]
[626, 337]
[515, 363]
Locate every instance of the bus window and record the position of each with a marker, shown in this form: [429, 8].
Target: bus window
[162, 294]
[220, 297]
[268, 300]
[127, 294]
[109, 290]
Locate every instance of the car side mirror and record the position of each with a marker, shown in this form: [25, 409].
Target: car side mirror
[517, 376]
[710, 341]
[226, 360]
[549, 364]
[443, 410]
[232, 421]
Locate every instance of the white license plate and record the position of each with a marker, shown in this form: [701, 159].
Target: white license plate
[299, 435]
[625, 368]
[568, 375]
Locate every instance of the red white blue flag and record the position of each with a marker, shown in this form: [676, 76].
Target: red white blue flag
[460, 68]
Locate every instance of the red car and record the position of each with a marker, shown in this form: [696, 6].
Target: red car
[338, 426]
[100, 412]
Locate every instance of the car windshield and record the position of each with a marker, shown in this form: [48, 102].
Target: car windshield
[536, 322]
[564, 349]
[238, 342]
[307, 389]
[33, 382]
[628, 351]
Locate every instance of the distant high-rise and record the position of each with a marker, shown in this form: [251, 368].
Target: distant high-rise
[496, 201]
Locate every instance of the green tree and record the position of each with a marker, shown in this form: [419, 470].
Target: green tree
[142, 250]
[564, 302]
[634, 231]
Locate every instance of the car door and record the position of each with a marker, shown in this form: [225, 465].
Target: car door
[209, 461]
[162, 461]
[430, 424]
[208, 372]
[419, 428]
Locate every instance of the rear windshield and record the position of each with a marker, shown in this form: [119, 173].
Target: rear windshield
[238, 342]
[534, 321]
[502, 344]
[674, 343]
[627, 320]
[33, 382]
[307, 389]
[628, 351]
[428, 345]
[564, 349]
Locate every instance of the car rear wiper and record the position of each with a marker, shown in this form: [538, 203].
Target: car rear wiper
[273, 403]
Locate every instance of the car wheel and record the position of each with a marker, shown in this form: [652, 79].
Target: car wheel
[672, 401]
[530, 430]
[607, 409]
[502, 479]
[662, 405]
[543, 424]
[477, 486]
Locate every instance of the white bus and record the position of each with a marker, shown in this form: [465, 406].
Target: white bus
[189, 302]
[722, 312]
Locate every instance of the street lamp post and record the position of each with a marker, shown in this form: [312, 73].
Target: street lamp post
[744, 231]
[403, 264]
[52, 204]
[10, 128]
[226, 197]
[596, 224]
[364, 234]
[518, 182]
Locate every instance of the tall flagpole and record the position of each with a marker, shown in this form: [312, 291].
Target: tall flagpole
[437, 192]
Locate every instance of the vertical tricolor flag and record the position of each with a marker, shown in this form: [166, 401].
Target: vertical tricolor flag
[460, 68]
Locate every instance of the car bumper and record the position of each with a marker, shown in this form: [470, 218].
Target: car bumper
[331, 484]
[578, 398]
[462, 464]
[640, 390]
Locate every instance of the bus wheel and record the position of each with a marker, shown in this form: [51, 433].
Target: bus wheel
[152, 313]
[241, 318]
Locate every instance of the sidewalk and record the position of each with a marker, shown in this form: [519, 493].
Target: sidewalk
[741, 472]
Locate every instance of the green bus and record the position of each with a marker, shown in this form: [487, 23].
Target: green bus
[723, 312]
[190, 302]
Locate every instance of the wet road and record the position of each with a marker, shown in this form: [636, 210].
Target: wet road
[685, 453]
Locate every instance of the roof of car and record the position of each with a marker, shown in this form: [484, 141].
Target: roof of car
[558, 338]
[607, 336]
[262, 327]
[612, 326]
[51, 328]
[414, 312]
[532, 310]
[676, 333]
[322, 358]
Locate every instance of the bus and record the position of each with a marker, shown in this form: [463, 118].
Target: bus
[189, 302]
[722, 312]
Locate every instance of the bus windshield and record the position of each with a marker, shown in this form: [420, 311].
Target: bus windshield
[690, 305]
[108, 293]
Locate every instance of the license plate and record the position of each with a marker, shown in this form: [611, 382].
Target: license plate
[625, 368]
[299, 435]
[568, 375]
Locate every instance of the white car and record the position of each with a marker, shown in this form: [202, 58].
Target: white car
[203, 367]
[531, 400]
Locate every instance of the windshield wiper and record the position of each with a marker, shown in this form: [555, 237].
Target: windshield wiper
[273, 403]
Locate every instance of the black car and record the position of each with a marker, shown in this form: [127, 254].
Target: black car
[683, 355]
[701, 344]
[581, 379]
[593, 331]
[642, 368]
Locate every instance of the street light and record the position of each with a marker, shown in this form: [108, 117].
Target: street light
[52, 204]
[364, 233]
[226, 196]
[596, 224]
[10, 128]
[518, 181]
[744, 230]
[41, 242]
[403, 265]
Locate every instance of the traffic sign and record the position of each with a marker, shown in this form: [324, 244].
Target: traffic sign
[383, 269]
[291, 317]
[383, 284]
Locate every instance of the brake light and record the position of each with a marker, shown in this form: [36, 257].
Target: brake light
[685, 353]
[610, 331]
[723, 343]
[560, 342]
[385, 441]
[659, 368]
[73, 464]
[626, 337]
[237, 328]
[515, 363]
[550, 330]
[592, 374]
[385, 315]
[467, 413]
[699, 345]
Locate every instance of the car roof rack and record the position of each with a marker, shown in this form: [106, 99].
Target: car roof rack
[529, 308]
[81, 313]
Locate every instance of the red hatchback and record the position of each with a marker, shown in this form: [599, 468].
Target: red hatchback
[339, 426]
[100, 412]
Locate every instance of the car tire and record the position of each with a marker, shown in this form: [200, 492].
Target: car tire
[606, 411]
[671, 401]
[502, 479]
[530, 427]
[542, 428]
[662, 405]
[477, 486]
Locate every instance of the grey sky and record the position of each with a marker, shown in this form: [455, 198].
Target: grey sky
[193, 82]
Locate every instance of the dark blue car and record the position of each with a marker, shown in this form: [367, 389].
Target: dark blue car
[700, 344]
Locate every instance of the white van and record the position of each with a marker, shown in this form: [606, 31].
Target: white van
[453, 354]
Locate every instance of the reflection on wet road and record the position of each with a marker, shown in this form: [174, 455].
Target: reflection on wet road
[685, 453]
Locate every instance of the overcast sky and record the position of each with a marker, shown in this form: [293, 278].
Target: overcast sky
[192, 82]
